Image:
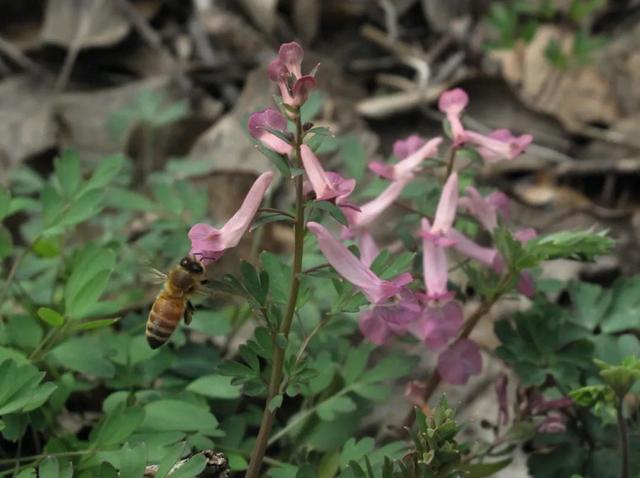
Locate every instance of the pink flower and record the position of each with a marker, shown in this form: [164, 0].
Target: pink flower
[406, 147]
[261, 122]
[209, 244]
[452, 103]
[459, 362]
[438, 324]
[436, 238]
[495, 146]
[326, 185]
[486, 209]
[286, 70]
[381, 322]
[499, 144]
[485, 255]
[370, 211]
[409, 164]
[369, 250]
[354, 270]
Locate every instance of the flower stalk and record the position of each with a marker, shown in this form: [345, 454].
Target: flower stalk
[277, 360]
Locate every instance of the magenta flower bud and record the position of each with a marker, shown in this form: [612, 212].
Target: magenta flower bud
[459, 362]
[261, 122]
[439, 324]
[209, 244]
[291, 55]
[301, 89]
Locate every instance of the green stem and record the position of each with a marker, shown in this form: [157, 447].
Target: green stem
[624, 440]
[482, 310]
[277, 361]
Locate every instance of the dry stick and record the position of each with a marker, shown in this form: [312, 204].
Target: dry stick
[153, 39]
[277, 362]
[18, 57]
[76, 44]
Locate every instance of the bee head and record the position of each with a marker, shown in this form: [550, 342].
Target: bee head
[192, 265]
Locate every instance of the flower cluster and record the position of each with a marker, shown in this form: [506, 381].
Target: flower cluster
[433, 314]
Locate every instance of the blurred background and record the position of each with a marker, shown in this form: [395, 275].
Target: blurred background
[167, 79]
[171, 83]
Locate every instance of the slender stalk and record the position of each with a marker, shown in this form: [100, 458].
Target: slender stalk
[451, 159]
[268, 416]
[623, 432]
[482, 310]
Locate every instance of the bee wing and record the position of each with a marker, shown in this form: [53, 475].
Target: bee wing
[155, 276]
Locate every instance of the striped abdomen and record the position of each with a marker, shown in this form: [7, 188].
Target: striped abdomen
[166, 312]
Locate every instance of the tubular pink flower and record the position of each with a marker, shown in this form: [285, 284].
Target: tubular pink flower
[459, 362]
[452, 103]
[526, 285]
[500, 202]
[446, 210]
[435, 238]
[325, 184]
[406, 147]
[261, 122]
[499, 145]
[209, 244]
[465, 246]
[370, 211]
[481, 208]
[435, 269]
[354, 270]
[369, 250]
[407, 166]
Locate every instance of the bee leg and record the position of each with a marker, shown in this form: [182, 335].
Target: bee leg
[188, 312]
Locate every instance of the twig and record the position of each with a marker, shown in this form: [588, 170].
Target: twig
[18, 57]
[76, 44]
[153, 39]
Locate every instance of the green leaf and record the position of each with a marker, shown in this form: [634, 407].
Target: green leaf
[6, 243]
[117, 426]
[95, 324]
[277, 159]
[68, 172]
[171, 455]
[82, 354]
[333, 210]
[328, 409]
[5, 200]
[50, 316]
[88, 295]
[354, 451]
[130, 461]
[483, 470]
[21, 389]
[79, 210]
[356, 362]
[575, 245]
[128, 200]
[88, 277]
[49, 468]
[312, 106]
[191, 468]
[107, 171]
[215, 386]
[176, 415]
[353, 156]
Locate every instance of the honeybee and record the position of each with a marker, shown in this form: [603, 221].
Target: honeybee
[172, 303]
